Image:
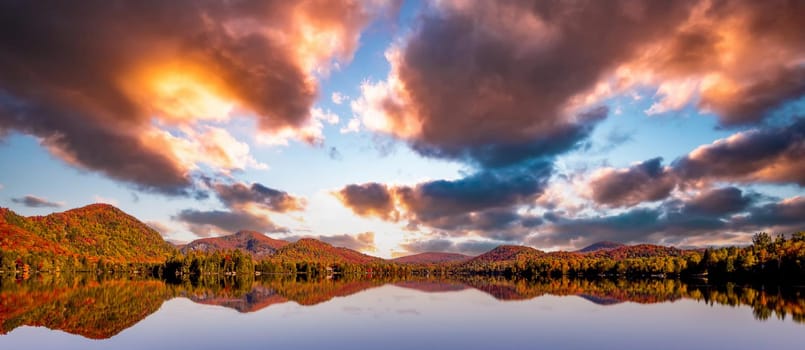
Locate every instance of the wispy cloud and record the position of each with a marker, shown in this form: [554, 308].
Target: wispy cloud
[101, 199]
[338, 98]
[32, 201]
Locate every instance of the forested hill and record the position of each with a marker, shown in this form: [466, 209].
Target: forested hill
[311, 250]
[91, 233]
[256, 244]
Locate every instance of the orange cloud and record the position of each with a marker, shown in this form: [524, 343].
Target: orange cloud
[142, 81]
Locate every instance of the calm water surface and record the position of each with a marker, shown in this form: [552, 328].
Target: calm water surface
[471, 313]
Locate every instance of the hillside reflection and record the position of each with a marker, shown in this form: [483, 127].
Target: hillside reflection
[100, 307]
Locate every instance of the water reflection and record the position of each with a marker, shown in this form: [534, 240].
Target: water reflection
[100, 307]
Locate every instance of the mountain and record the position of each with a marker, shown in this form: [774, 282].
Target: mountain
[637, 251]
[600, 246]
[254, 243]
[94, 231]
[506, 253]
[308, 249]
[431, 258]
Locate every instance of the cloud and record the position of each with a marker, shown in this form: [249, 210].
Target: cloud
[354, 125]
[99, 199]
[127, 89]
[437, 202]
[712, 216]
[240, 195]
[364, 242]
[761, 155]
[32, 201]
[338, 98]
[638, 225]
[248, 207]
[334, 154]
[616, 138]
[530, 86]
[738, 59]
[771, 155]
[719, 201]
[499, 82]
[163, 229]
[369, 199]
[644, 182]
[502, 86]
[209, 223]
[510, 91]
[483, 203]
[784, 216]
[471, 247]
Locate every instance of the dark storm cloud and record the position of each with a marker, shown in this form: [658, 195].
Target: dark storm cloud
[207, 223]
[645, 182]
[238, 195]
[32, 201]
[83, 77]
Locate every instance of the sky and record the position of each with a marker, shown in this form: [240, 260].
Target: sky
[398, 127]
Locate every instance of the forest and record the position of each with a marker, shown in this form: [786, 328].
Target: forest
[774, 258]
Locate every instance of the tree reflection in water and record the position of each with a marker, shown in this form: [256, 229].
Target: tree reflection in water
[100, 307]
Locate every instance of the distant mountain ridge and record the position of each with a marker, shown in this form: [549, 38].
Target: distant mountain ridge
[599, 246]
[258, 245]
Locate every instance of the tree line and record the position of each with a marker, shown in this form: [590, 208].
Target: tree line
[777, 257]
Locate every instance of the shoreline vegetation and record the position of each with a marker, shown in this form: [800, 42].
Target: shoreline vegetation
[102, 239]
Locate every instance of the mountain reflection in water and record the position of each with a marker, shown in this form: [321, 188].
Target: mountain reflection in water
[99, 307]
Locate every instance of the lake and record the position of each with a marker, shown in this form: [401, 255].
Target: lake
[286, 312]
